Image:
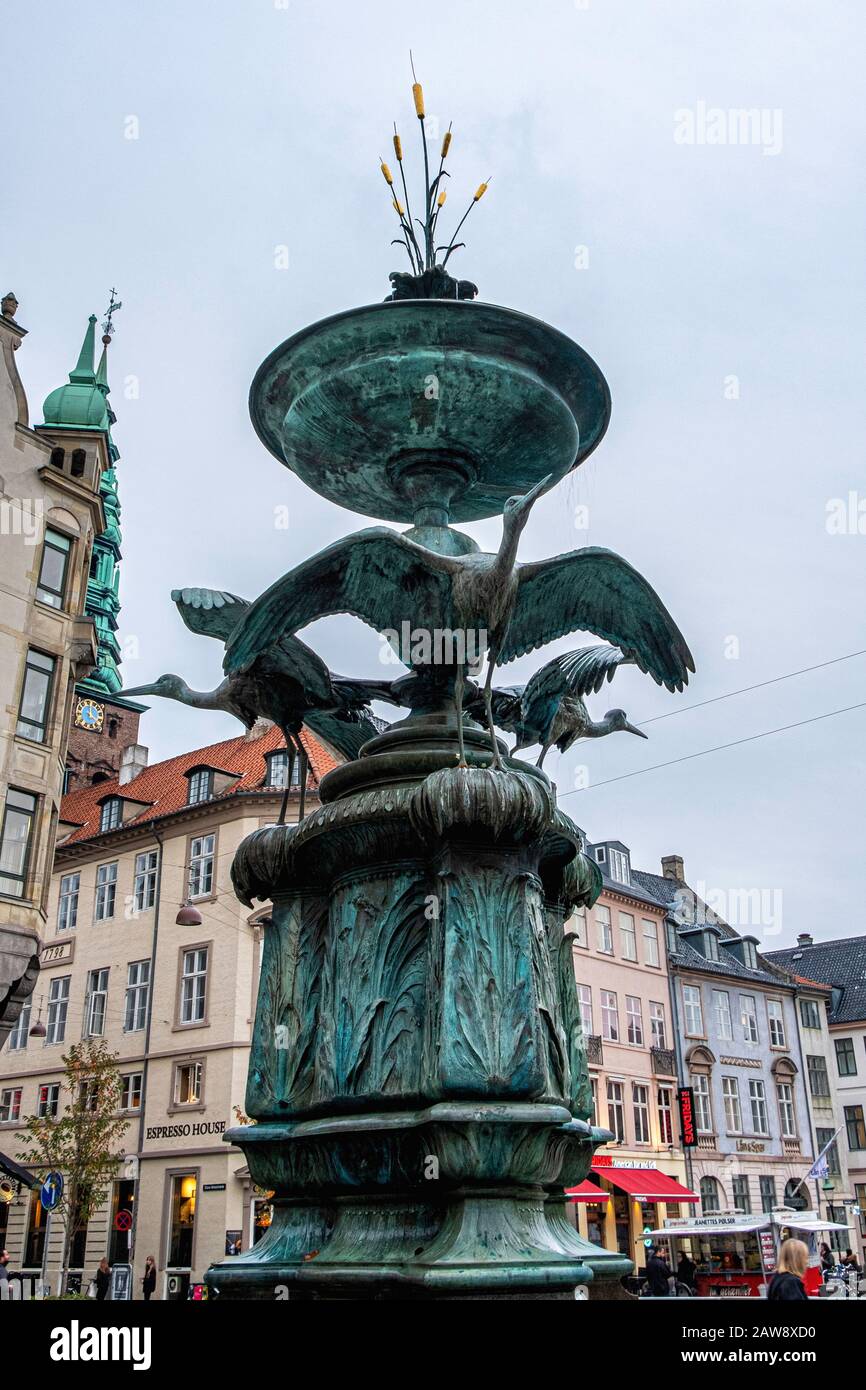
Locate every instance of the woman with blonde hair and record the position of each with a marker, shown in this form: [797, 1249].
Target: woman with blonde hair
[786, 1284]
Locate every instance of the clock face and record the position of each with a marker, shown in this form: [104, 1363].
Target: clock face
[90, 715]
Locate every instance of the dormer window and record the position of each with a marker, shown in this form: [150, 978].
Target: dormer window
[601, 854]
[278, 769]
[711, 946]
[750, 955]
[200, 785]
[619, 866]
[111, 814]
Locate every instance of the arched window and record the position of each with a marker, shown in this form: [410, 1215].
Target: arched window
[79, 458]
[57, 457]
[796, 1195]
[709, 1196]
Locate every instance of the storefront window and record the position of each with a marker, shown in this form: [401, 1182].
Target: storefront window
[263, 1214]
[182, 1217]
[123, 1198]
[35, 1242]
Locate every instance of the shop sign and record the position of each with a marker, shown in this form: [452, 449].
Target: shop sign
[749, 1146]
[233, 1242]
[186, 1131]
[213, 1187]
[608, 1161]
[768, 1250]
[686, 1102]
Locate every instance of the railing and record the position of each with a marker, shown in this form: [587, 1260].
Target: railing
[790, 1147]
[664, 1061]
[706, 1141]
[594, 1049]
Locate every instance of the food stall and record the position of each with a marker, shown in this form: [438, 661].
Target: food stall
[736, 1255]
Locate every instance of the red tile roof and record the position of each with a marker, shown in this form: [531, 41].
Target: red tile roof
[165, 788]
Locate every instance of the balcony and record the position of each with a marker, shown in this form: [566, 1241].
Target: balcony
[664, 1061]
[593, 1049]
[791, 1148]
[707, 1142]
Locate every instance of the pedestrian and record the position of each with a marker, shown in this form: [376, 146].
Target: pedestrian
[4, 1273]
[786, 1285]
[850, 1261]
[657, 1273]
[148, 1283]
[827, 1261]
[103, 1279]
[686, 1271]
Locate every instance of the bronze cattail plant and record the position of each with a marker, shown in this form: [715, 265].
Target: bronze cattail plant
[422, 251]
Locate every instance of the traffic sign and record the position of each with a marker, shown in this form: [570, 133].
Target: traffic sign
[123, 1220]
[51, 1191]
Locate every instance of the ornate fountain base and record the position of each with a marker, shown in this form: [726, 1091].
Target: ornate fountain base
[418, 1074]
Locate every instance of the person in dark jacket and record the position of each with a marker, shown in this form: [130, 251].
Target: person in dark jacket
[686, 1271]
[148, 1282]
[657, 1273]
[786, 1285]
[103, 1279]
[827, 1260]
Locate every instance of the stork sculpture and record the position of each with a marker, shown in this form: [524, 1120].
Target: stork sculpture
[382, 578]
[289, 684]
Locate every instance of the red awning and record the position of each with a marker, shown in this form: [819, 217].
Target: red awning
[646, 1184]
[587, 1192]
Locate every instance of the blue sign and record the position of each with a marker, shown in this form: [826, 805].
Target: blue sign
[51, 1191]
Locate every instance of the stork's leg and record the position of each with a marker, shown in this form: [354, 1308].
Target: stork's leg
[459, 681]
[545, 749]
[496, 760]
[302, 780]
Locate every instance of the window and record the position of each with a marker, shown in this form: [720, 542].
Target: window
[750, 955]
[742, 1201]
[657, 1024]
[145, 880]
[10, 1105]
[693, 1011]
[616, 1111]
[88, 1095]
[106, 890]
[854, 1127]
[193, 985]
[54, 568]
[111, 814]
[187, 1084]
[768, 1192]
[827, 1140]
[650, 942]
[36, 1224]
[200, 785]
[722, 1011]
[609, 1016]
[576, 924]
[584, 995]
[594, 1088]
[137, 989]
[18, 1036]
[758, 1103]
[709, 1196]
[640, 1104]
[278, 769]
[605, 931]
[666, 1115]
[35, 696]
[711, 946]
[776, 1021]
[97, 996]
[750, 1018]
[182, 1228]
[627, 936]
[19, 818]
[79, 458]
[787, 1117]
[810, 1015]
[58, 1003]
[49, 1101]
[733, 1112]
[846, 1060]
[67, 903]
[703, 1106]
[619, 866]
[819, 1081]
[634, 1021]
[130, 1091]
[201, 856]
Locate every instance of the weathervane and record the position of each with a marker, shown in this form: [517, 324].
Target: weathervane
[107, 323]
[429, 278]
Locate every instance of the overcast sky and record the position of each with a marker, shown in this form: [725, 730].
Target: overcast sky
[719, 286]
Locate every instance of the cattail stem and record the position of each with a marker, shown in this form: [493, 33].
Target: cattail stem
[479, 193]
[408, 209]
[428, 248]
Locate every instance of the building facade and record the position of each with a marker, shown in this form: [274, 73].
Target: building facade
[841, 966]
[736, 1030]
[51, 510]
[620, 965]
[148, 947]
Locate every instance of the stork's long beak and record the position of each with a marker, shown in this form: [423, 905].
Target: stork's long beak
[533, 494]
[630, 729]
[138, 690]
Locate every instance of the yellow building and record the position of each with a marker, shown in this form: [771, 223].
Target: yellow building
[148, 947]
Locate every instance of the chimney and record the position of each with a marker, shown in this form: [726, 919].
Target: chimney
[672, 867]
[133, 760]
[805, 939]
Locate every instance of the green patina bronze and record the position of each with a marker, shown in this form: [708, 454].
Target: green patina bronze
[418, 1085]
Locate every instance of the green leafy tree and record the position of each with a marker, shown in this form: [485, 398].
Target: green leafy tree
[83, 1141]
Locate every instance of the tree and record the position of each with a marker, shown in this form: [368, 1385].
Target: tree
[81, 1142]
